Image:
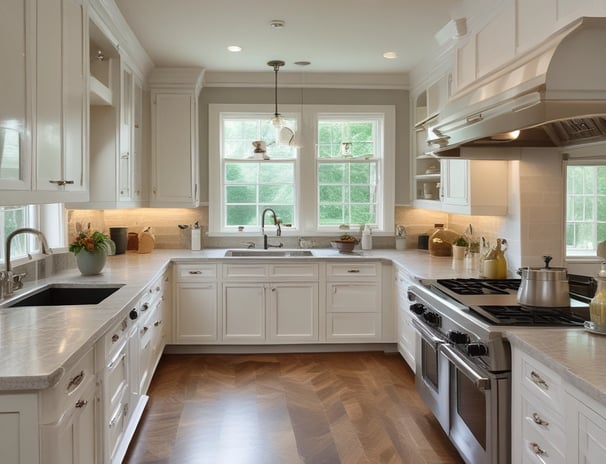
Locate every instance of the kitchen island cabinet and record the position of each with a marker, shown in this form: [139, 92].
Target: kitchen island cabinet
[553, 419]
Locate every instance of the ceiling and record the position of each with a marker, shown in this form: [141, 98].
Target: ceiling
[336, 36]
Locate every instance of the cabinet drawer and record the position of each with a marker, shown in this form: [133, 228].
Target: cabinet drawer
[354, 327]
[542, 382]
[293, 271]
[349, 298]
[542, 421]
[353, 271]
[251, 272]
[538, 451]
[115, 427]
[57, 399]
[116, 377]
[195, 272]
[115, 337]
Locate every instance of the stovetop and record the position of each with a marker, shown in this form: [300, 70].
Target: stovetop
[495, 302]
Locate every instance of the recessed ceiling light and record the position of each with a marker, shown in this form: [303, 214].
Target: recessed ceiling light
[277, 23]
[390, 55]
[234, 48]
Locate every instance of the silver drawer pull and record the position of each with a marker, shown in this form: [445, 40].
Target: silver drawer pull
[353, 271]
[114, 420]
[81, 403]
[61, 182]
[144, 307]
[116, 361]
[536, 449]
[144, 330]
[77, 380]
[538, 420]
[536, 378]
[195, 272]
[157, 323]
[115, 338]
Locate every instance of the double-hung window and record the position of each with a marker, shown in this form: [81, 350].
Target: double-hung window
[342, 171]
[349, 152]
[252, 181]
[585, 208]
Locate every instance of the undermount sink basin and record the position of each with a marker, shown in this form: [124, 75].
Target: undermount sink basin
[65, 295]
[268, 253]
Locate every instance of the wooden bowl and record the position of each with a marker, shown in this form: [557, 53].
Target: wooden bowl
[346, 246]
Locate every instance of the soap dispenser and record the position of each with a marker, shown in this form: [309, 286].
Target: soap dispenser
[367, 238]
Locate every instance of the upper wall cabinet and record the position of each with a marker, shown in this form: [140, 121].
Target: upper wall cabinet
[118, 160]
[174, 141]
[43, 125]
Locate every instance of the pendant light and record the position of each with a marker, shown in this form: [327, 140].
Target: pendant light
[285, 135]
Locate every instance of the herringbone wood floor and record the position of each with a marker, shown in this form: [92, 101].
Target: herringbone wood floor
[349, 408]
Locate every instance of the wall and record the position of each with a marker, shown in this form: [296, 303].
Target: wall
[314, 96]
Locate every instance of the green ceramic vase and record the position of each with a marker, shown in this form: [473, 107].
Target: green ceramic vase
[91, 262]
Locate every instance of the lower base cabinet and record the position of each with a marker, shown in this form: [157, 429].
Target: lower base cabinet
[552, 421]
[243, 313]
[293, 312]
[196, 315]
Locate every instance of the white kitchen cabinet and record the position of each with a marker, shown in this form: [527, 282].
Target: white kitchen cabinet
[406, 333]
[16, 94]
[72, 440]
[174, 137]
[353, 302]
[61, 111]
[293, 312]
[477, 187]
[196, 304]
[19, 440]
[585, 428]
[552, 421]
[244, 312]
[270, 303]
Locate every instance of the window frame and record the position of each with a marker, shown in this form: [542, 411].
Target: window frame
[306, 198]
[580, 254]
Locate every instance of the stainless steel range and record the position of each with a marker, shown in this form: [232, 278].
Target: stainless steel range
[463, 360]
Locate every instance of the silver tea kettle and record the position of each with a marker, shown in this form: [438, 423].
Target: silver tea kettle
[544, 286]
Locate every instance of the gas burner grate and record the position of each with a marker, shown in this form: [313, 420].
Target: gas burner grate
[480, 286]
[527, 316]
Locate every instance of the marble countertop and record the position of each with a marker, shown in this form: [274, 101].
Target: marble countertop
[38, 343]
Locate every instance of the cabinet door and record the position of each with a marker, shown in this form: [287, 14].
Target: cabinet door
[174, 150]
[353, 297]
[19, 426]
[72, 441]
[244, 313]
[196, 313]
[353, 327]
[15, 94]
[293, 312]
[125, 172]
[406, 333]
[455, 182]
[61, 111]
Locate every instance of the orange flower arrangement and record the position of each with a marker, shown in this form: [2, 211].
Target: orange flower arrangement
[91, 241]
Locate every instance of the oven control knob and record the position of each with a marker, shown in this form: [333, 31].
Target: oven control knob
[417, 308]
[459, 338]
[133, 314]
[477, 349]
[431, 318]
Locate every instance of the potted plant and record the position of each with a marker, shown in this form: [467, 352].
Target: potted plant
[91, 249]
[459, 247]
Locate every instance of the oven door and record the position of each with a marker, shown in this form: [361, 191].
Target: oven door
[431, 373]
[480, 410]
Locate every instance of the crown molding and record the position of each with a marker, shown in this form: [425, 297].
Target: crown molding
[307, 80]
[124, 40]
[185, 78]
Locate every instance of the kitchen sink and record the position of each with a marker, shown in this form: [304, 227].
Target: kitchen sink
[65, 295]
[268, 253]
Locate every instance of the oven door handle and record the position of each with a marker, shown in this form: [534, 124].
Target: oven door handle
[426, 334]
[481, 382]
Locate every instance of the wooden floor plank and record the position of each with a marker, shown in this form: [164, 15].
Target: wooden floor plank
[332, 408]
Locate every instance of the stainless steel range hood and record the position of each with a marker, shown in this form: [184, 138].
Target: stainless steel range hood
[555, 96]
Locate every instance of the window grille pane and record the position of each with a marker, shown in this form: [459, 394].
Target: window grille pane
[12, 218]
[347, 138]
